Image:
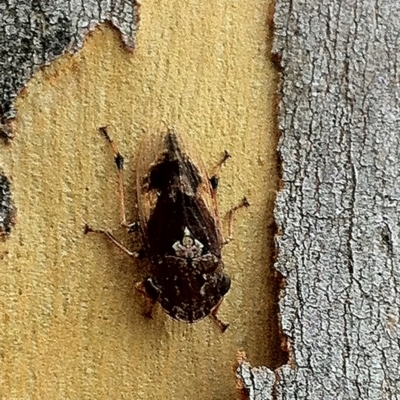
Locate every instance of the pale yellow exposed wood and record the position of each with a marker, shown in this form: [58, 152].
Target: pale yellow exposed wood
[71, 322]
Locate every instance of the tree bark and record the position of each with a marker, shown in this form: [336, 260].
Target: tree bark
[339, 207]
[33, 33]
[71, 321]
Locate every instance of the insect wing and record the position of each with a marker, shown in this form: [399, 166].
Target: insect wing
[186, 293]
[174, 193]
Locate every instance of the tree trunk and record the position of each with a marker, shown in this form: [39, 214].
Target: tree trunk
[71, 325]
[338, 211]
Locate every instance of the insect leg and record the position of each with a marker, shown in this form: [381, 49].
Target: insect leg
[119, 161]
[214, 180]
[141, 287]
[231, 215]
[223, 326]
[113, 239]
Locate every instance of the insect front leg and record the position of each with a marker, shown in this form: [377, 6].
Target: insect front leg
[231, 215]
[214, 180]
[119, 161]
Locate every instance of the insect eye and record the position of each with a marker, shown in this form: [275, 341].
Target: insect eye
[161, 177]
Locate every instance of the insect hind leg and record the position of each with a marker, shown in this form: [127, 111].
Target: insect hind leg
[223, 326]
[223, 288]
[150, 292]
[112, 238]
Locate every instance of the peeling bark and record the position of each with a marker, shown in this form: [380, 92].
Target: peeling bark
[340, 206]
[255, 383]
[33, 33]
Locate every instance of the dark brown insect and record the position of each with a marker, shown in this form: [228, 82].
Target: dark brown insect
[180, 228]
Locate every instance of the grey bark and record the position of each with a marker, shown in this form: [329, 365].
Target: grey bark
[33, 33]
[340, 206]
[7, 209]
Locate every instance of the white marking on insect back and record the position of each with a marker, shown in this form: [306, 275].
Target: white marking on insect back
[189, 247]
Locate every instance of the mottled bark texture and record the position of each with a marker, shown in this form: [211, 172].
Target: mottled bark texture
[7, 210]
[33, 32]
[339, 209]
[257, 383]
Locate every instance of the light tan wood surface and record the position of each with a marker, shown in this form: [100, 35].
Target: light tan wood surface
[71, 323]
